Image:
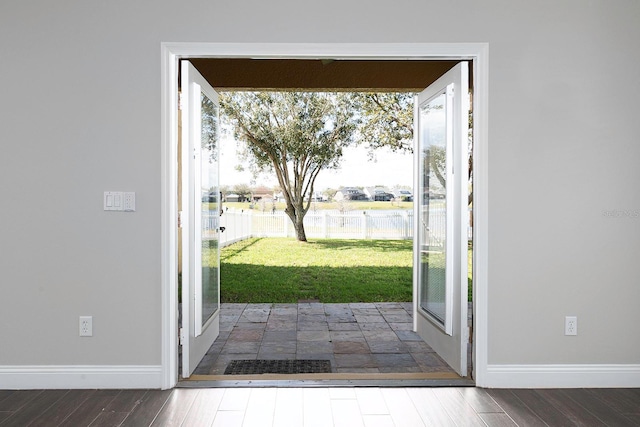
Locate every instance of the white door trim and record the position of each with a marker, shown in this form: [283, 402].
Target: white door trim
[172, 52]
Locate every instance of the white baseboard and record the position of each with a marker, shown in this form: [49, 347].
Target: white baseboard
[80, 377]
[561, 376]
[150, 376]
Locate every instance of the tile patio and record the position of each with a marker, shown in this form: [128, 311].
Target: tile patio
[356, 337]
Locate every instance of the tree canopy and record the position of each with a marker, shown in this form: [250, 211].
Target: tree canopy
[295, 135]
[387, 119]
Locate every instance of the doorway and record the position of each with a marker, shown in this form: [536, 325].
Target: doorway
[384, 52]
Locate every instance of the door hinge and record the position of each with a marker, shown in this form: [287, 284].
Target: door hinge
[181, 338]
[179, 101]
[179, 219]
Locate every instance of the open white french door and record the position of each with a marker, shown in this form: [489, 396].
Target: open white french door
[440, 212]
[200, 218]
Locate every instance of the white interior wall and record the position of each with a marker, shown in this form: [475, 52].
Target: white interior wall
[81, 115]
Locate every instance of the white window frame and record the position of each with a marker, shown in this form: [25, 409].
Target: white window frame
[171, 53]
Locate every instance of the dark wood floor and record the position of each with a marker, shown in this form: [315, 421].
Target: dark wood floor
[321, 406]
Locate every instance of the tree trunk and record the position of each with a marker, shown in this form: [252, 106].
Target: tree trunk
[297, 219]
[299, 227]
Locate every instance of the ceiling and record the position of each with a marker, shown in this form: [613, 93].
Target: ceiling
[227, 74]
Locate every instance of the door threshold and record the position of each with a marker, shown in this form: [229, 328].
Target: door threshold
[435, 379]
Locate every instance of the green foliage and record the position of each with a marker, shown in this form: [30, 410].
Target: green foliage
[210, 126]
[330, 193]
[305, 128]
[225, 189]
[295, 135]
[242, 190]
[387, 120]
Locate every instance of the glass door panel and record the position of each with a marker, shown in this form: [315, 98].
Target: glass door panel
[433, 231]
[207, 299]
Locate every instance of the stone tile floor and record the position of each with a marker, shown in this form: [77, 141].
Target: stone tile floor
[356, 337]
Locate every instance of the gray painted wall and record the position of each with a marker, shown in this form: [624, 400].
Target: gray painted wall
[80, 114]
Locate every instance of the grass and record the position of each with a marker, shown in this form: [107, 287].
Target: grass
[282, 270]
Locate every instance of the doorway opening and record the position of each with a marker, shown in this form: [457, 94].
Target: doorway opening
[337, 61]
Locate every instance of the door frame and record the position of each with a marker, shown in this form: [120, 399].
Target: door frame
[171, 53]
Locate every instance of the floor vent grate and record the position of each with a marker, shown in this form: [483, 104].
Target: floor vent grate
[249, 367]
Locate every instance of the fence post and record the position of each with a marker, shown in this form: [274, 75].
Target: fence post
[285, 226]
[247, 222]
[364, 224]
[405, 224]
[247, 219]
[325, 229]
[236, 215]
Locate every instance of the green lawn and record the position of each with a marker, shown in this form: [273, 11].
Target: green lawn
[283, 270]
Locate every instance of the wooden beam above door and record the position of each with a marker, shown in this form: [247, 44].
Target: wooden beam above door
[226, 74]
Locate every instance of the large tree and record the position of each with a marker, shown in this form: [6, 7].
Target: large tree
[294, 134]
[243, 190]
[387, 121]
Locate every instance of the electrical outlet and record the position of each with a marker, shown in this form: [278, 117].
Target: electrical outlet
[129, 201]
[86, 326]
[571, 325]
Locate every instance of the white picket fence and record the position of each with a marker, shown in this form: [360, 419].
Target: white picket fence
[331, 224]
[241, 225]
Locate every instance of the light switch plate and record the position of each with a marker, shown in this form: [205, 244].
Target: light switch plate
[113, 201]
[119, 201]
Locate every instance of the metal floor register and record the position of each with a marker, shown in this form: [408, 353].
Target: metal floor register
[249, 367]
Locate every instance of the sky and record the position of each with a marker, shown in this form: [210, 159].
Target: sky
[387, 169]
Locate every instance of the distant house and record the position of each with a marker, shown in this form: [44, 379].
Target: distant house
[379, 194]
[350, 193]
[319, 197]
[262, 193]
[403, 195]
[234, 198]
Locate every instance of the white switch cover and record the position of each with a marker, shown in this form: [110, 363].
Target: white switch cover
[112, 200]
[129, 202]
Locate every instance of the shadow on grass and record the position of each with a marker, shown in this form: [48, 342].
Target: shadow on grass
[238, 248]
[350, 244]
[250, 283]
